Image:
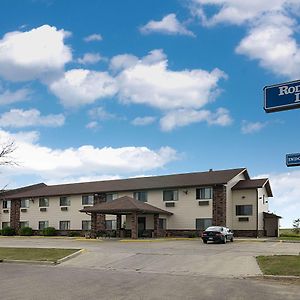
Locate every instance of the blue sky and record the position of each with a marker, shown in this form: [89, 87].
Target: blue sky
[112, 89]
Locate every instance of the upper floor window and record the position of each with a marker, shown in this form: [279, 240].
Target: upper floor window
[204, 193]
[43, 202]
[111, 196]
[87, 199]
[170, 195]
[243, 210]
[6, 204]
[141, 196]
[24, 203]
[64, 201]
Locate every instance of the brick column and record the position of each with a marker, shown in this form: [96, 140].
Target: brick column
[119, 220]
[219, 205]
[134, 225]
[93, 225]
[100, 218]
[15, 214]
[156, 225]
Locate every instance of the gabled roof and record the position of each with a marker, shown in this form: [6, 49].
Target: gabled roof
[271, 215]
[125, 205]
[131, 184]
[254, 184]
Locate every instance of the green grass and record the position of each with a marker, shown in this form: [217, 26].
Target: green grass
[37, 254]
[279, 264]
[288, 235]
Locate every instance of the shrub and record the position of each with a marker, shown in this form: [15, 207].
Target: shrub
[0, 231]
[26, 231]
[74, 233]
[8, 231]
[49, 231]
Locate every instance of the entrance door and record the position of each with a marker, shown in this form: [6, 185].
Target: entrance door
[141, 225]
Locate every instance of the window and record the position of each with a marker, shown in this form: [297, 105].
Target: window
[24, 203]
[64, 201]
[162, 224]
[43, 225]
[141, 196]
[6, 204]
[64, 225]
[111, 196]
[24, 224]
[170, 195]
[5, 224]
[87, 199]
[243, 210]
[202, 224]
[43, 202]
[86, 225]
[204, 193]
[110, 224]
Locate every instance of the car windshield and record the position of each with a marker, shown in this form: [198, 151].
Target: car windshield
[214, 228]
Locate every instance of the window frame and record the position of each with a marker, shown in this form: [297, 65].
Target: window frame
[7, 224]
[43, 198]
[88, 197]
[137, 194]
[8, 204]
[199, 195]
[67, 199]
[66, 222]
[89, 227]
[113, 196]
[174, 191]
[202, 228]
[25, 224]
[26, 203]
[243, 212]
[45, 222]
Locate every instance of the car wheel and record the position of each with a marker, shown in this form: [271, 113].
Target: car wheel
[231, 240]
[225, 240]
[205, 242]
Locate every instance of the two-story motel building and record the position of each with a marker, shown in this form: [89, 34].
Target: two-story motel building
[167, 205]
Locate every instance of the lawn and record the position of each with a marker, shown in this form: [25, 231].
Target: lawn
[289, 234]
[280, 264]
[37, 254]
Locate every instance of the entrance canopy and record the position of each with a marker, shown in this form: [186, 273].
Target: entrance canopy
[124, 206]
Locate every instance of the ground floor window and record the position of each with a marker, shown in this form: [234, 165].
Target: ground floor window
[110, 224]
[43, 225]
[86, 225]
[203, 223]
[5, 224]
[162, 224]
[24, 224]
[243, 210]
[64, 225]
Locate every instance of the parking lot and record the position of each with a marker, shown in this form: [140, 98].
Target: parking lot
[148, 270]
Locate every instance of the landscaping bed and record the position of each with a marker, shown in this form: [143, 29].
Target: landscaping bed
[284, 265]
[35, 254]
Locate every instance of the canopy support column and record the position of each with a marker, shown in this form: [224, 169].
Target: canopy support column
[134, 225]
[156, 225]
[119, 220]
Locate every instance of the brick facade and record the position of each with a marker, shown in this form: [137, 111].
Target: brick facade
[98, 221]
[15, 214]
[134, 226]
[248, 233]
[219, 205]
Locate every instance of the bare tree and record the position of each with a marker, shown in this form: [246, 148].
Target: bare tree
[6, 150]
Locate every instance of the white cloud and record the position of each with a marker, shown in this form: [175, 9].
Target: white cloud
[149, 81]
[99, 113]
[87, 160]
[184, 117]
[90, 58]
[143, 121]
[79, 86]
[168, 25]
[271, 28]
[33, 54]
[92, 125]
[93, 37]
[252, 127]
[10, 97]
[286, 190]
[123, 61]
[17, 118]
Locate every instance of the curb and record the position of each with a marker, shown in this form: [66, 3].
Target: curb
[70, 256]
[158, 240]
[274, 277]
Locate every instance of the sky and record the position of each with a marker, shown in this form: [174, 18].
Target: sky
[93, 90]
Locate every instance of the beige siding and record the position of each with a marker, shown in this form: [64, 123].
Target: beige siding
[229, 204]
[244, 197]
[4, 217]
[262, 207]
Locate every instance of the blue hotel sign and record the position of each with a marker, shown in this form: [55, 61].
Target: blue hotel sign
[293, 159]
[282, 96]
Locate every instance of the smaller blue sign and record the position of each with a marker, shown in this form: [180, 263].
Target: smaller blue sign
[282, 96]
[293, 159]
